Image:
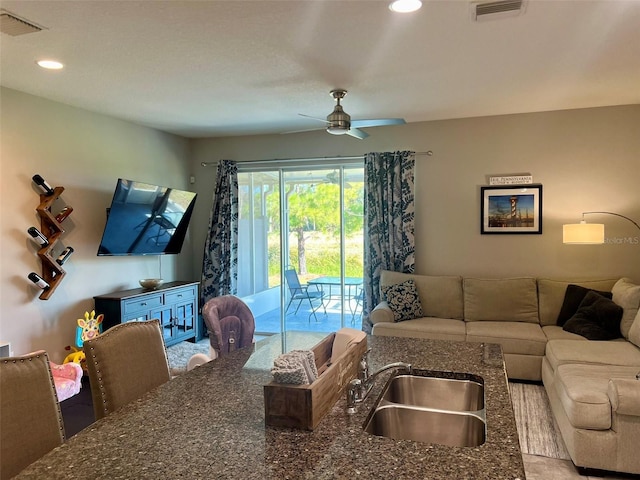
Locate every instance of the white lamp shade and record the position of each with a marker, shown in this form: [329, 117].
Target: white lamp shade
[583, 233]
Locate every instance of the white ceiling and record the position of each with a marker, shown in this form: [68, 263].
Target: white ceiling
[218, 68]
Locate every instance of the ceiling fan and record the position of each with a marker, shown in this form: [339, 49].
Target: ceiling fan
[339, 122]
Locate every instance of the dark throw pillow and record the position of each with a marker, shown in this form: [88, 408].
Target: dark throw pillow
[403, 300]
[597, 318]
[573, 296]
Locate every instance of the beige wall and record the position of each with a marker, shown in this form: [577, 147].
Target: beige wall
[585, 159]
[85, 153]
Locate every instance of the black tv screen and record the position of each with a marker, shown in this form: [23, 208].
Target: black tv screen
[146, 219]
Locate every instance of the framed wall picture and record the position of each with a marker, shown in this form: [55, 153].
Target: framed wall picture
[511, 209]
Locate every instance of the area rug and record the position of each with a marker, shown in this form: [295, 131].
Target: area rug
[537, 429]
[180, 353]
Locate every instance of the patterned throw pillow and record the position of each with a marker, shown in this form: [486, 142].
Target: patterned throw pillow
[403, 300]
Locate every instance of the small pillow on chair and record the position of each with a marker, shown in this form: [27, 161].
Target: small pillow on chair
[597, 318]
[573, 296]
[403, 300]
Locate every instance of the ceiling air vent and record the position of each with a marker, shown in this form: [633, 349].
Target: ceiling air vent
[492, 10]
[14, 25]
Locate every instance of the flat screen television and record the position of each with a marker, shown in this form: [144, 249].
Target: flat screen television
[146, 219]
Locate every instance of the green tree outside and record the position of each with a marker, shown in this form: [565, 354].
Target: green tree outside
[314, 226]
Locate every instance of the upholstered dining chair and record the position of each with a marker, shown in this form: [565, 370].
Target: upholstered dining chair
[30, 420]
[124, 363]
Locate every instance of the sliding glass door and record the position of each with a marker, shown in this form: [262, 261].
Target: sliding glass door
[300, 238]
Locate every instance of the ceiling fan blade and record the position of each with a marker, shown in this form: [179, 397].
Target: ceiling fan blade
[377, 122]
[301, 131]
[354, 132]
[313, 118]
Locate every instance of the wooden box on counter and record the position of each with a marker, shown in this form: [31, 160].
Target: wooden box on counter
[303, 406]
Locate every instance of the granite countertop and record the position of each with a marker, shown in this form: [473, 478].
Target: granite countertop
[209, 423]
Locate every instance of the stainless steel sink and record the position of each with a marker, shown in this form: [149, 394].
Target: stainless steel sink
[400, 422]
[462, 394]
[430, 406]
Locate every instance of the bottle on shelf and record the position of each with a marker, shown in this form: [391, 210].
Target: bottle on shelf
[38, 236]
[46, 188]
[64, 256]
[64, 213]
[38, 280]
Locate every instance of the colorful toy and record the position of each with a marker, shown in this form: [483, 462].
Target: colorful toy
[88, 328]
[76, 355]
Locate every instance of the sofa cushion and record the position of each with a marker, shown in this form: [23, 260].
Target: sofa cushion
[554, 332]
[515, 337]
[573, 297]
[428, 327]
[611, 352]
[403, 300]
[440, 296]
[597, 318]
[627, 295]
[501, 300]
[634, 331]
[583, 392]
[551, 295]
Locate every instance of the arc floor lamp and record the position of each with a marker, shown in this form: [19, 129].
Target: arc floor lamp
[584, 233]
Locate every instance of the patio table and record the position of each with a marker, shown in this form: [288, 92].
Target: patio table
[335, 292]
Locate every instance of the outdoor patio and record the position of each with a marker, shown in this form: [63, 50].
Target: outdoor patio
[269, 322]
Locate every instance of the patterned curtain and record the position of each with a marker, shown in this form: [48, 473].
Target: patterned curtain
[389, 221]
[220, 263]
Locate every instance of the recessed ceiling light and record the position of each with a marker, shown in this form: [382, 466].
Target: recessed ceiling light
[405, 6]
[50, 64]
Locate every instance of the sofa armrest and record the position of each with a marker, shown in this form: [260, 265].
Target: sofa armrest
[382, 313]
[624, 395]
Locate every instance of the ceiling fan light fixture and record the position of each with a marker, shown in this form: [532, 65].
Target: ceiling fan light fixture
[337, 130]
[405, 6]
[50, 64]
[339, 121]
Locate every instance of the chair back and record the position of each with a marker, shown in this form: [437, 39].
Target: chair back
[230, 323]
[31, 422]
[124, 363]
[291, 276]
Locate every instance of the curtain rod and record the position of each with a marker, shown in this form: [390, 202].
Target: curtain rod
[429, 153]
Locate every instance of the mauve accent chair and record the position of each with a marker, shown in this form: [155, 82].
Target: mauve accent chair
[31, 421]
[229, 322]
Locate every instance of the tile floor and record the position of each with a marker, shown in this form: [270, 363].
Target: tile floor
[545, 468]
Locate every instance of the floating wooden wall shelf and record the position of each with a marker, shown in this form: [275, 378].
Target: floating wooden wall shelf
[52, 229]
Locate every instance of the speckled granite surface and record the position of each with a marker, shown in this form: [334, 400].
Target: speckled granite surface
[209, 423]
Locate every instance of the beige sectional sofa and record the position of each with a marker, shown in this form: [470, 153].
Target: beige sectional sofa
[592, 385]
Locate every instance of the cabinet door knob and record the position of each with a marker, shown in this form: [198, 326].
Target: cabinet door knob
[144, 304]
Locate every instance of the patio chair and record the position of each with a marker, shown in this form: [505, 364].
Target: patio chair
[359, 298]
[301, 293]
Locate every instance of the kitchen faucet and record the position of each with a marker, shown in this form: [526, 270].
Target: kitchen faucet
[359, 388]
